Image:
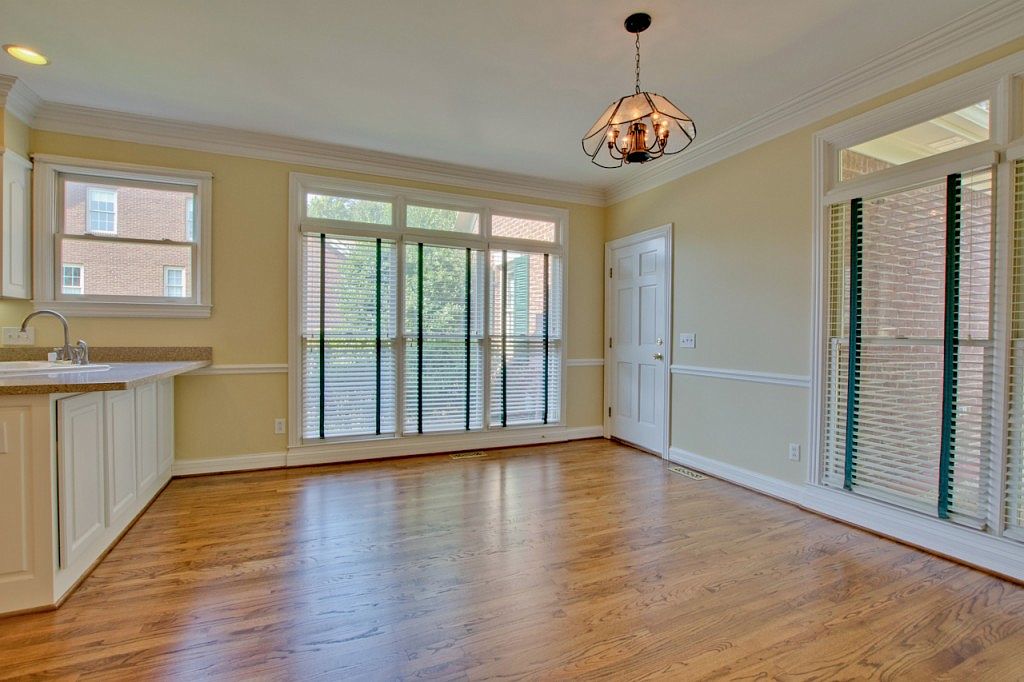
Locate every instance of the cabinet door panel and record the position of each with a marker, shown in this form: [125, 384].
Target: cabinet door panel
[165, 423]
[146, 432]
[82, 483]
[121, 477]
[15, 492]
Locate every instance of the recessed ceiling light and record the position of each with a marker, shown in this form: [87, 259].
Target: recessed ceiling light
[26, 54]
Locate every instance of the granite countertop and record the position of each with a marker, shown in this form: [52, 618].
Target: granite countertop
[120, 376]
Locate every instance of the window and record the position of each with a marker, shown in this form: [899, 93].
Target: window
[921, 305]
[71, 279]
[944, 133]
[174, 282]
[912, 273]
[141, 233]
[416, 318]
[101, 209]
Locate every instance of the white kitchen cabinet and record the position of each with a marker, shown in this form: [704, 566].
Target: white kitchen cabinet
[81, 477]
[75, 472]
[147, 446]
[119, 408]
[16, 245]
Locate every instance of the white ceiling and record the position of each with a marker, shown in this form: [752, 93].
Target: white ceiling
[506, 85]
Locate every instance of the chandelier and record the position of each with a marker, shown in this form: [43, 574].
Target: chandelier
[639, 127]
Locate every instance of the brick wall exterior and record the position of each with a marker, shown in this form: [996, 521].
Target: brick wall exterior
[126, 269]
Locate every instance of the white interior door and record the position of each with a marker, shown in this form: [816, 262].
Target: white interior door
[638, 353]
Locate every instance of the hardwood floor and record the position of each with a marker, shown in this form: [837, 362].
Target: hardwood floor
[584, 559]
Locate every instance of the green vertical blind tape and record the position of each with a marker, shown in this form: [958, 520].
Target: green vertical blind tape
[547, 330]
[378, 331]
[323, 378]
[951, 342]
[856, 256]
[504, 340]
[419, 338]
[469, 327]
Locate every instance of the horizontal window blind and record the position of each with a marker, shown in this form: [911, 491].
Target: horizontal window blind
[526, 338]
[1014, 496]
[908, 390]
[443, 331]
[348, 326]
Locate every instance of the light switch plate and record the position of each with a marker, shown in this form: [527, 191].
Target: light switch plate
[687, 340]
[13, 336]
[279, 425]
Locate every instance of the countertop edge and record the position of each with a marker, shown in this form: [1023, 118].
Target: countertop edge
[161, 370]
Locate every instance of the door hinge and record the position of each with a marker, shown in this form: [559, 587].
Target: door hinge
[609, 342]
[610, 272]
[609, 410]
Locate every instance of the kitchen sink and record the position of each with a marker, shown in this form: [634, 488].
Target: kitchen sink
[45, 367]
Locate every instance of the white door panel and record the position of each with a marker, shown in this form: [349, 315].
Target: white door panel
[639, 350]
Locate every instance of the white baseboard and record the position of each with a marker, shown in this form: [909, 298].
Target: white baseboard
[974, 548]
[381, 449]
[424, 445]
[191, 467]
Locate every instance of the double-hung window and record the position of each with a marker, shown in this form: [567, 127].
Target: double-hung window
[424, 313]
[922, 293]
[141, 233]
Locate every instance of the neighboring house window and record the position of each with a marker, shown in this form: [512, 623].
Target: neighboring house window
[917, 410]
[174, 282]
[396, 340]
[72, 281]
[144, 257]
[101, 209]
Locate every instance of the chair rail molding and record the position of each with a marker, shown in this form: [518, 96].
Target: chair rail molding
[796, 380]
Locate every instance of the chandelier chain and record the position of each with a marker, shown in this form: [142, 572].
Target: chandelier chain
[638, 63]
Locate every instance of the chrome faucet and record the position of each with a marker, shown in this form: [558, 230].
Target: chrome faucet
[77, 355]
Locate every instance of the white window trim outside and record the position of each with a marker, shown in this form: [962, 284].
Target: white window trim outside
[81, 277]
[997, 82]
[46, 174]
[168, 269]
[89, 192]
[340, 449]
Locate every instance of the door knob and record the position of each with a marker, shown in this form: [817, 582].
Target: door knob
[658, 356]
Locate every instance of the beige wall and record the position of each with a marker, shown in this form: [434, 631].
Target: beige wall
[742, 283]
[226, 415]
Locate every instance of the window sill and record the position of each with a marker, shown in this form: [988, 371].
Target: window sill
[125, 309]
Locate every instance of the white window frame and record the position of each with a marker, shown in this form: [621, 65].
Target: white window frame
[999, 83]
[46, 211]
[81, 277]
[89, 193]
[190, 220]
[168, 269]
[338, 449]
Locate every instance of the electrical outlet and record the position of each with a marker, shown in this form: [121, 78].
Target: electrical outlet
[279, 425]
[687, 340]
[794, 452]
[13, 336]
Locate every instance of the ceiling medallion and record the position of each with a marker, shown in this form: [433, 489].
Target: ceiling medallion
[639, 127]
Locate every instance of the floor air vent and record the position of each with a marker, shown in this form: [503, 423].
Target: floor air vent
[689, 473]
[468, 455]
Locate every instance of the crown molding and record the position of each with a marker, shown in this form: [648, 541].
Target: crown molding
[987, 27]
[78, 120]
[18, 98]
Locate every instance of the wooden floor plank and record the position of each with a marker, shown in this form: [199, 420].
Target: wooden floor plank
[577, 560]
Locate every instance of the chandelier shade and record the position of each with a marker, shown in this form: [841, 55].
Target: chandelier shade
[639, 127]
